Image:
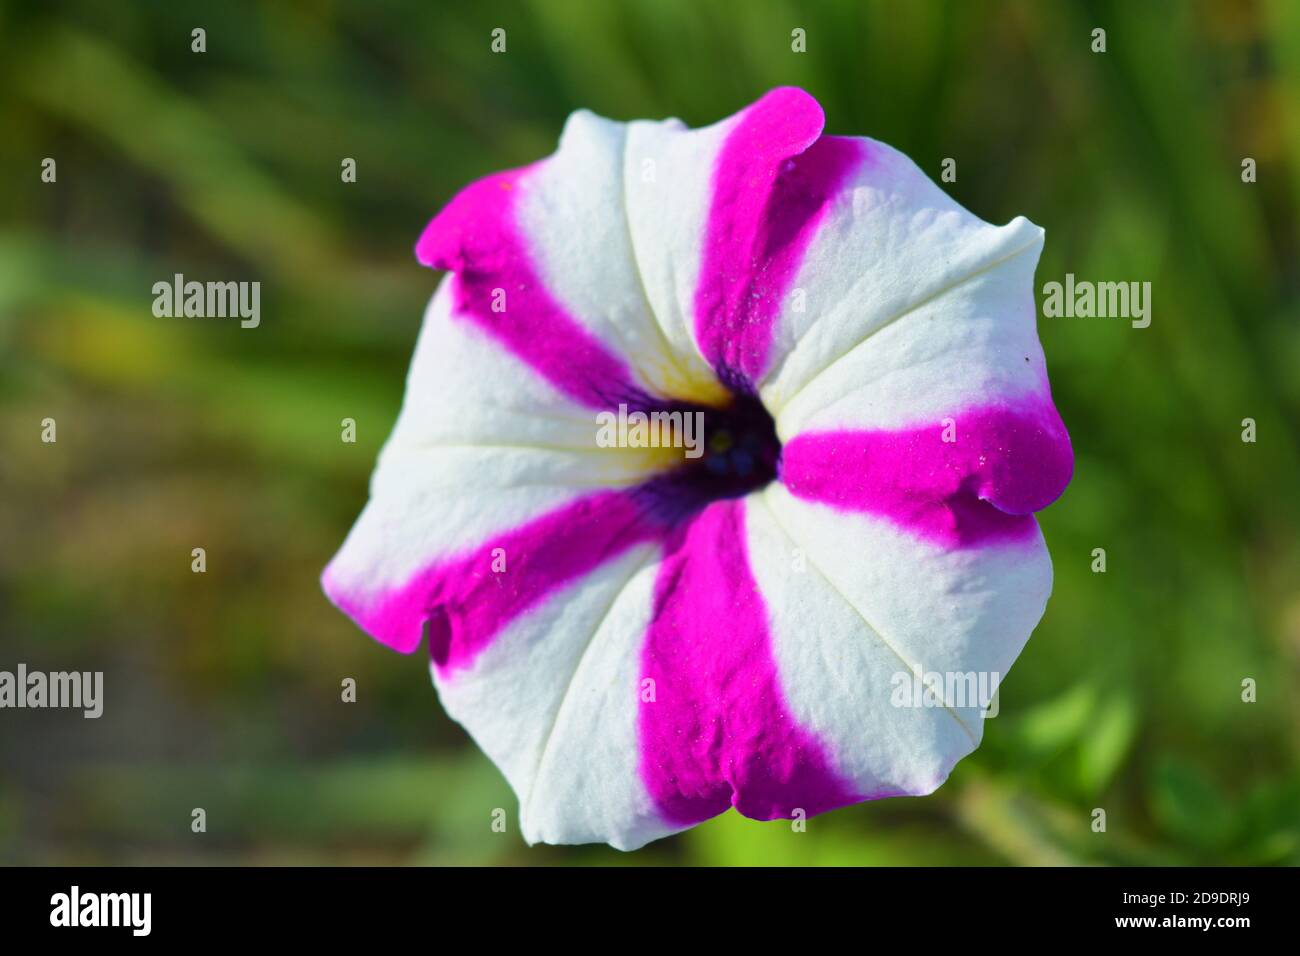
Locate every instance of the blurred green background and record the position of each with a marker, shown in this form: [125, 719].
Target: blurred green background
[222, 690]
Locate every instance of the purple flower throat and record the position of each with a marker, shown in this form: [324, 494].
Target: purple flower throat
[741, 453]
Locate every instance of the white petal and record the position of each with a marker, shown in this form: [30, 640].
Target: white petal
[941, 609]
[481, 446]
[912, 302]
[840, 673]
[575, 212]
[669, 183]
[554, 700]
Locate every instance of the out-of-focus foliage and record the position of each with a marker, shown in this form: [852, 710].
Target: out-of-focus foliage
[223, 689]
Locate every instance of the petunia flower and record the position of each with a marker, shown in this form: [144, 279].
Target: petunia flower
[639, 639]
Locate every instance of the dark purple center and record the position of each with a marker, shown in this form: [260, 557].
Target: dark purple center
[741, 453]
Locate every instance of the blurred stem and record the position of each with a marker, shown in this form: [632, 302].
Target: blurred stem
[1009, 824]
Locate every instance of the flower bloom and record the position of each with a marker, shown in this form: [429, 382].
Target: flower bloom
[639, 639]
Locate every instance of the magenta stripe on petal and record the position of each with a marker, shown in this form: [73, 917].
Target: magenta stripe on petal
[498, 288]
[719, 731]
[773, 182]
[470, 599]
[1004, 464]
